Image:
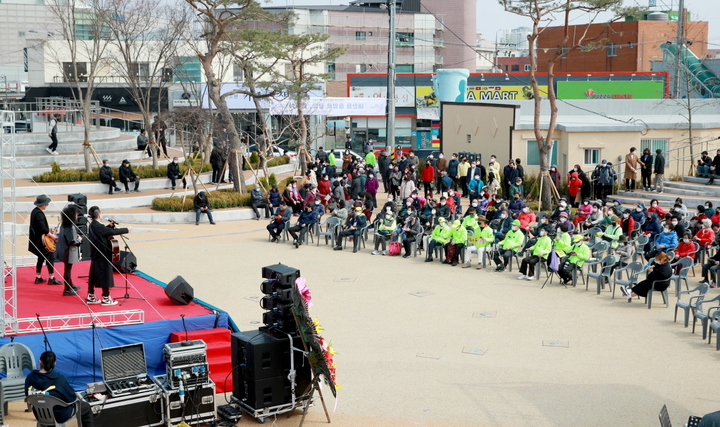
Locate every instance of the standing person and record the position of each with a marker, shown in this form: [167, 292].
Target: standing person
[463, 169]
[101, 267]
[659, 171]
[646, 165]
[217, 162]
[202, 205]
[39, 228]
[555, 176]
[142, 143]
[427, 176]
[53, 134]
[68, 247]
[173, 173]
[631, 166]
[127, 176]
[520, 170]
[384, 167]
[158, 128]
[371, 189]
[348, 143]
[714, 168]
[509, 175]
[108, 177]
[413, 162]
[453, 172]
[605, 181]
[257, 200]
[440, 167]
[47, 380]
[370, 160]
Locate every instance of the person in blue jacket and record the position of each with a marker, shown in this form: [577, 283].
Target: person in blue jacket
[354, 228]
[665, 241]
[639, 214]
[305, 221]
[475, 187]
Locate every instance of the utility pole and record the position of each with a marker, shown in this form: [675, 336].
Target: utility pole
[390, 123]
[680, 47]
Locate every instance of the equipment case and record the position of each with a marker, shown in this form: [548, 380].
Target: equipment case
[142, 409]
[199, 405]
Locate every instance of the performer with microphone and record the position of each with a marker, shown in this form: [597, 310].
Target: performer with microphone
[101, 268]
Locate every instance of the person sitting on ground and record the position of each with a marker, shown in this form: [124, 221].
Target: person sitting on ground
[355, 226]
[659, 272]
[664, 242]
[127, 176]
[173, 173]
[526, 217]
[576, 256]
[108, 177]
[47, 380]
[540, 250]
[439, 237]
[202, 205]
[385, 229]
[484, 237]
[457, 243]
[282, 215]
[582, 213]
[512, 242]
[411, 232]
[306, 220]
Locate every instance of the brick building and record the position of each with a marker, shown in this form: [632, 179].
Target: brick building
[630, 45]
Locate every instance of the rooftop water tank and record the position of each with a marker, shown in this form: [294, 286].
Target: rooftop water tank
[658, 16]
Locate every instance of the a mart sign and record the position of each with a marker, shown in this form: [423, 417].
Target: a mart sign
[501, 93]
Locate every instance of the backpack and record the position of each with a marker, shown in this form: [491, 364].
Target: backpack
[394, 248]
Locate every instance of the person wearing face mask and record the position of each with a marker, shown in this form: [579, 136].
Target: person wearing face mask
[603, 178]
[526, 217]
[540, 250]
[677, 227]
[470, 220]
[655, 208]
[510, 173]
[659, 171]
[442, 210]
[452, 171]
[575, 188]
[512, 242]
[411, 231]
[427, 176]
[660, 271]
[305, 221]
[439, 237]
[685, 248]
[475, 187]
[384, 231]
[627, 223]
[355, 226]
[632, 164]
[582, 213]
[340, 212]
[502, 224]
[716, 216]
[562, 240]
[625, 252]
[705, 236]
[324, 189]
[518, 188]
[577, 253]
[639, 213]
[646, 169]
[456, 244]
[651, 228]
[663, 242]
[516, 204]
[440, 167]
[595, 217]
[108, 177]
[612, 233]
[462, 171]
[561, 207]
[319, 209]
[257, 200]
[609, 214]
[555, 176]
[292, 198]
[173, 173]
[483, 239]
[493, 183]
[565, 219]
[408, 186]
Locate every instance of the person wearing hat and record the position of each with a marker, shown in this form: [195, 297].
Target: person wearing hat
[632, 164]
[108, 177]
[513, 241]
[457, 242]
[101, 267]
[439, 237]
[484, 238]
[518, 188]
[412, 231]
[38, 228]
[659, 171]
[562, 240]
[577, 254]
[355, 227]
[127, 176]
[703, 166]
[561, 207]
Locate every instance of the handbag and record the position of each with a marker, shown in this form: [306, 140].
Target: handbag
[554, 261]
[394, 248]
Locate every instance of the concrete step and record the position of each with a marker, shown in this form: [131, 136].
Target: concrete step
[70, 160]
[692, 188]
[122, 142]
[666, 199]
[74, 134]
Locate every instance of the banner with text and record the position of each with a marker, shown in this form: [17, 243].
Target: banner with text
[502, 93]
[404, 96]
[332, 107]
[644, 89]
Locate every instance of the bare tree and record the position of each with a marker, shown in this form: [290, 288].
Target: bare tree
[147, 37]
[86, 38]
[543, 13]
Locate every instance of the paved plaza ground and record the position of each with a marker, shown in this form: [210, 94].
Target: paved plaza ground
[426, 344]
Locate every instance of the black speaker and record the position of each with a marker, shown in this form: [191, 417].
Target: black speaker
[85, 247]
[179, 291]
[80, 201]
[127, 263]
[284, 275]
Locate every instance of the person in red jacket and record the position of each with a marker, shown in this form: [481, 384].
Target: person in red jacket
[526, 217]
[324, 189]
[574, 188]
[428, 175]
[706, 235]
[628, 223]
[655, 208]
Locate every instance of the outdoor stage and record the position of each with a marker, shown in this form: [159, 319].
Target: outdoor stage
[77, 332]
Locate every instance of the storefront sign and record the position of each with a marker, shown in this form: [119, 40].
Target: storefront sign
[501, 93]
[332, 107]
[404, 96]
[644, 89]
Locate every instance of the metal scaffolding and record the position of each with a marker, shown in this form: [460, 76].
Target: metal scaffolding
[8, 226]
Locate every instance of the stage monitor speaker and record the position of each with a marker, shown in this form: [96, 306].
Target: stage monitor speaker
[85, 247]
[179, 291]
[127, 263]
[80, 201]
[284, 275]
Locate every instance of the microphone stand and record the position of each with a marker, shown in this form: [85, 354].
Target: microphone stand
[45, 338]
[127, 282]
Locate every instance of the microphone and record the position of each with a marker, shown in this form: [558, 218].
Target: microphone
[113, 221]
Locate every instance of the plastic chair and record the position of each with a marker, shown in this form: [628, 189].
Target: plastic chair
[632, 271]
[331, 226]
[14, 359]
[414, 243]
[666, 299]
[686, 264]
[604, 273]
[702, 315]
[664, 417]
[714, 326]
[691, 304]
[42, 406]
[360, 235]
[640, 243]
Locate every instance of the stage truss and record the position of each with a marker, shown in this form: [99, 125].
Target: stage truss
[80, 321]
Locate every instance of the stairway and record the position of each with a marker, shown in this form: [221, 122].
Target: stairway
[219, 354]
[693, 191]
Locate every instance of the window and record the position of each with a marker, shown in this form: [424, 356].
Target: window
[533, 155]
[404, 39]
[359, 35]
[238, 73]
[592, 156]
[527, 67]
[654, 143]
[331, 70]
[564, 50]
[69, 71]
[515, 67]
[187, 69]
[405, 68]
[139, 71]
[360, 68]
[21, 33]
[612, 49]
[631, 45]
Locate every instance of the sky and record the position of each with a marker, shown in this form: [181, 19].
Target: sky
[492, 17]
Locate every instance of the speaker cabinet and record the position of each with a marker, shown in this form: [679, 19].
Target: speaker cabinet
[80, 201]
[85, 246]
[179, 291]
[127, 263]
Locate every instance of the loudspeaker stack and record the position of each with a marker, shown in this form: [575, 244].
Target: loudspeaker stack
[278, 297]
[80, 201]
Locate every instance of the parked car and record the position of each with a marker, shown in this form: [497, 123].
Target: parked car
[339, 154]
[276, 152]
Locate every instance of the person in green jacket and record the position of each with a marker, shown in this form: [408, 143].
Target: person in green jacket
[518, 187]
[577, 255]
[563, 241]
[470, 221]
[458, 239]
[439, 237]
[541, 249]
[513, 241]
[331, 158]
[485, 238]
[370, 159]
[385, 229]
[612, 233]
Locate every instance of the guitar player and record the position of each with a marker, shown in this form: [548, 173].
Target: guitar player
[101, 267]
[38, 229]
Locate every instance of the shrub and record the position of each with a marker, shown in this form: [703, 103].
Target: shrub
[273, 179]
[219, 199]
[264, 183]
[275, 161]
[75, 175]
[254, 158]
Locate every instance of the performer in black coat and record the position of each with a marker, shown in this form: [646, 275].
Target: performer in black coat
[38, 228]
[127, 176]
[101, 267]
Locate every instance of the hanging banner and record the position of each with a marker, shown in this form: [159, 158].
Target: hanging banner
[332, 107]
[240, 101]
[639, 89]
[404, 96]
[425, 97]
[501, 93]
[428, 113]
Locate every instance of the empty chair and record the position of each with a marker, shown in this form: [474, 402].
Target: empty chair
[15, 358]
[714, 326]
[640, 243]
[632, 272]
[686, 264]
[600, 274]
[42, 407]
[691, 304]
[703, 316]
[327, 229]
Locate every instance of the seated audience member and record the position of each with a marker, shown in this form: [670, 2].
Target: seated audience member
[561, 207]
[282, 216]
[340, 212]
[595, 217]
[439, 237]
[108, 177]
[411, 232]
[470, 220]
[612, 233]
[711, 266]
[583, 211]
[518, 188]
[442, 210]
[577, 254]
[564, 220]
[354, 228]
[485, 238]
[202, 205]
[710, 420]
[655, 208]
[512, 242]
[562, 240]
[541, 249]
[707, 235]
[127, 176]
[685, 248]
[257, 200]
[502, 224]
[516, 204]
[627, 223]
[306, 220]
[273, 197]
[456, 244]
[659, 271]
[526, 217]
[651, 227]
[639, 213]
[173, 173]
[385, 229]
[319, 209]
[664, 241]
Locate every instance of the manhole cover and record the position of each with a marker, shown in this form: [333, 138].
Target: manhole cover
[474, 350]
[256, 299]
[555, 343]
[344, 279]
[484, 314]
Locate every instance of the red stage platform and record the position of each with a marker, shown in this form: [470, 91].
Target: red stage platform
[58, 312]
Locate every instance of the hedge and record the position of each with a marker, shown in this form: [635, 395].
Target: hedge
[76, 175]
[254, 162]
